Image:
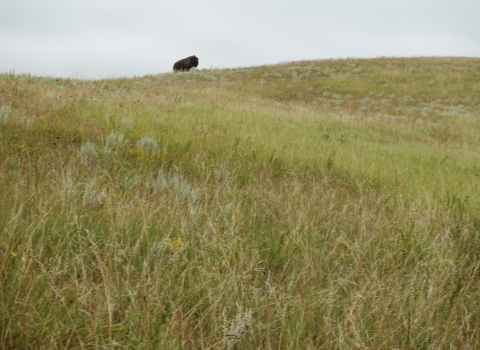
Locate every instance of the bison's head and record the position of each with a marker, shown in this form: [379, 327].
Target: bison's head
[194, 61]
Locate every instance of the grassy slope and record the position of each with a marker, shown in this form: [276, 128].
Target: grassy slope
[325, 204]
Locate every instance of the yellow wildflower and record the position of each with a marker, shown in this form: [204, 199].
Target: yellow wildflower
[175, 245]
[168, 242]
[178, 243]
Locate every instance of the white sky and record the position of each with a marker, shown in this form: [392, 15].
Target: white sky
[121, 38]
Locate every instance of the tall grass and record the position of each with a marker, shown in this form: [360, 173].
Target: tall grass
[310, 205]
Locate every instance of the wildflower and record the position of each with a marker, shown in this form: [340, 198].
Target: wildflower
[175, 245]
[178, 243]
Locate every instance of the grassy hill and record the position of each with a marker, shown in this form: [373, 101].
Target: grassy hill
[309, 205]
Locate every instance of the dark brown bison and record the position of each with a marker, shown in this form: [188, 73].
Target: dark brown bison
[186, 63]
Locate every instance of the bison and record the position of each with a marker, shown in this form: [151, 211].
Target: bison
[186, 63]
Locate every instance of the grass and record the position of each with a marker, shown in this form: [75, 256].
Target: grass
[312, 205]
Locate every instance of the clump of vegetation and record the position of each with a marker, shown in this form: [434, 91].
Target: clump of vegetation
[311, 205]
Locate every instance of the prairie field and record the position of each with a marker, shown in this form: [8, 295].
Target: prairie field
[330, 204]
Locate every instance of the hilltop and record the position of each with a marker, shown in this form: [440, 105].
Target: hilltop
[313, 205]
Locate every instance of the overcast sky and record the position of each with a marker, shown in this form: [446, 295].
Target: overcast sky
[123, 38]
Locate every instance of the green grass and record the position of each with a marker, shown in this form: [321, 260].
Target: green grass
[308, 205]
